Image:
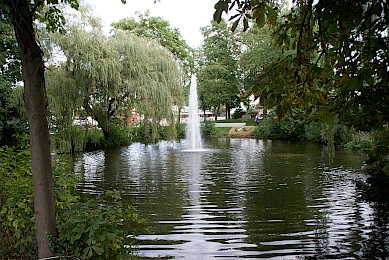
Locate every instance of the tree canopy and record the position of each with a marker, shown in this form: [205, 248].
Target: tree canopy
[340, 60]
[11, 121]
[158, 29]
[218, 84]
[109, 76]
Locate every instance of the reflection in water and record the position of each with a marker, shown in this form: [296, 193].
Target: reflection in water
[239, 198]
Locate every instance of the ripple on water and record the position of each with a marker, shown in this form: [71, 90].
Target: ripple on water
[239, 199]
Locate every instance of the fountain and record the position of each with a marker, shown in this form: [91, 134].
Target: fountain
[193, 135]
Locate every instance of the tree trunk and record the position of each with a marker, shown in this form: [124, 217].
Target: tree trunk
[264, 110]
[36, 107]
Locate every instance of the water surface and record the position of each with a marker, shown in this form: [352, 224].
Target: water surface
[241, 198]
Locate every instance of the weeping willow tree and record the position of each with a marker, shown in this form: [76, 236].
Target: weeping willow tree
[108, 76]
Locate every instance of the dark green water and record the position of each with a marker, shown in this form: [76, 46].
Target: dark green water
[241, 198]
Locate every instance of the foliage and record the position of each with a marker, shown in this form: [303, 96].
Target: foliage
[259, 11]
[313, 131]
[259, 52]
[238, 113]
[75, 139]
[360, 141]
[17, 228]
[339, 62]
[120, 134]
[158, 29]
[97, 229]
[217, 75]
[207, 127]
[22, 15]
[268, 129]
[220, 131]
[11, 121]
[379, 156]
[105, 225]
[114, 75]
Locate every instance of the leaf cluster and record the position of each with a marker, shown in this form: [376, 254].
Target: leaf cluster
[87, 229]
[97, 230]
[218, 83]
[108, 76]
[49, 13]
[259, 11]
[158, 29]
[340, 59]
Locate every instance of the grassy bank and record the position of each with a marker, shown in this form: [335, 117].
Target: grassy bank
[289, 129]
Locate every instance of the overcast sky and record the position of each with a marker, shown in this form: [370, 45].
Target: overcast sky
[186, 15]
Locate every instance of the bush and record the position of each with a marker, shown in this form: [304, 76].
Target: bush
[268, 129]
[237, 113]
[207, 126]
[97, 230]
[17, 230]
[360, 141]
[94, 139]
[119, 135]
[313, 131]
[69, 140]
[105, 225]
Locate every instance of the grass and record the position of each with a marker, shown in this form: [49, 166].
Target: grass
[220, 131]
[249, 122]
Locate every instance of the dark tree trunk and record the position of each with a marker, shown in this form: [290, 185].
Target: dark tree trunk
[36, 107]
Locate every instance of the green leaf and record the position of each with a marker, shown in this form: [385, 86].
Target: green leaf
[260, 21]
[260, 16]
[98, 250]
[234, 25]
[220, 7]
[271, 15]
[245, 24]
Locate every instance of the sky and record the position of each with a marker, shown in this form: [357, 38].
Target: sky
[186, 15]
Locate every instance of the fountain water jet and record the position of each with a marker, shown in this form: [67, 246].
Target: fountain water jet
[193, 135]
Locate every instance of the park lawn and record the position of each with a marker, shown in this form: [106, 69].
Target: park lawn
[220, 131]
[249, 122]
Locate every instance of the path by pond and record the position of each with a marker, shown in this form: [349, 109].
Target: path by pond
[241, 198]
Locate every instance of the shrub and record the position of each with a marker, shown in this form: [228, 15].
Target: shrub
[94, 139]
[237, 113]
[119, 134]
[207, 126]
[313, 131]
[220, 131]
[105, 224]
[97, 230]
[268, 129]
[17, 230]
[69, 140]
[360, 141]
[180, 128]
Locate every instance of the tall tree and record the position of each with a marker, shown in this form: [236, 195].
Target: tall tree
[259, 52]
[22, 14]
[218, 84]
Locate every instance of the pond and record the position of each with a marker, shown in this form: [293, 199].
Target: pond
[241, 198]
